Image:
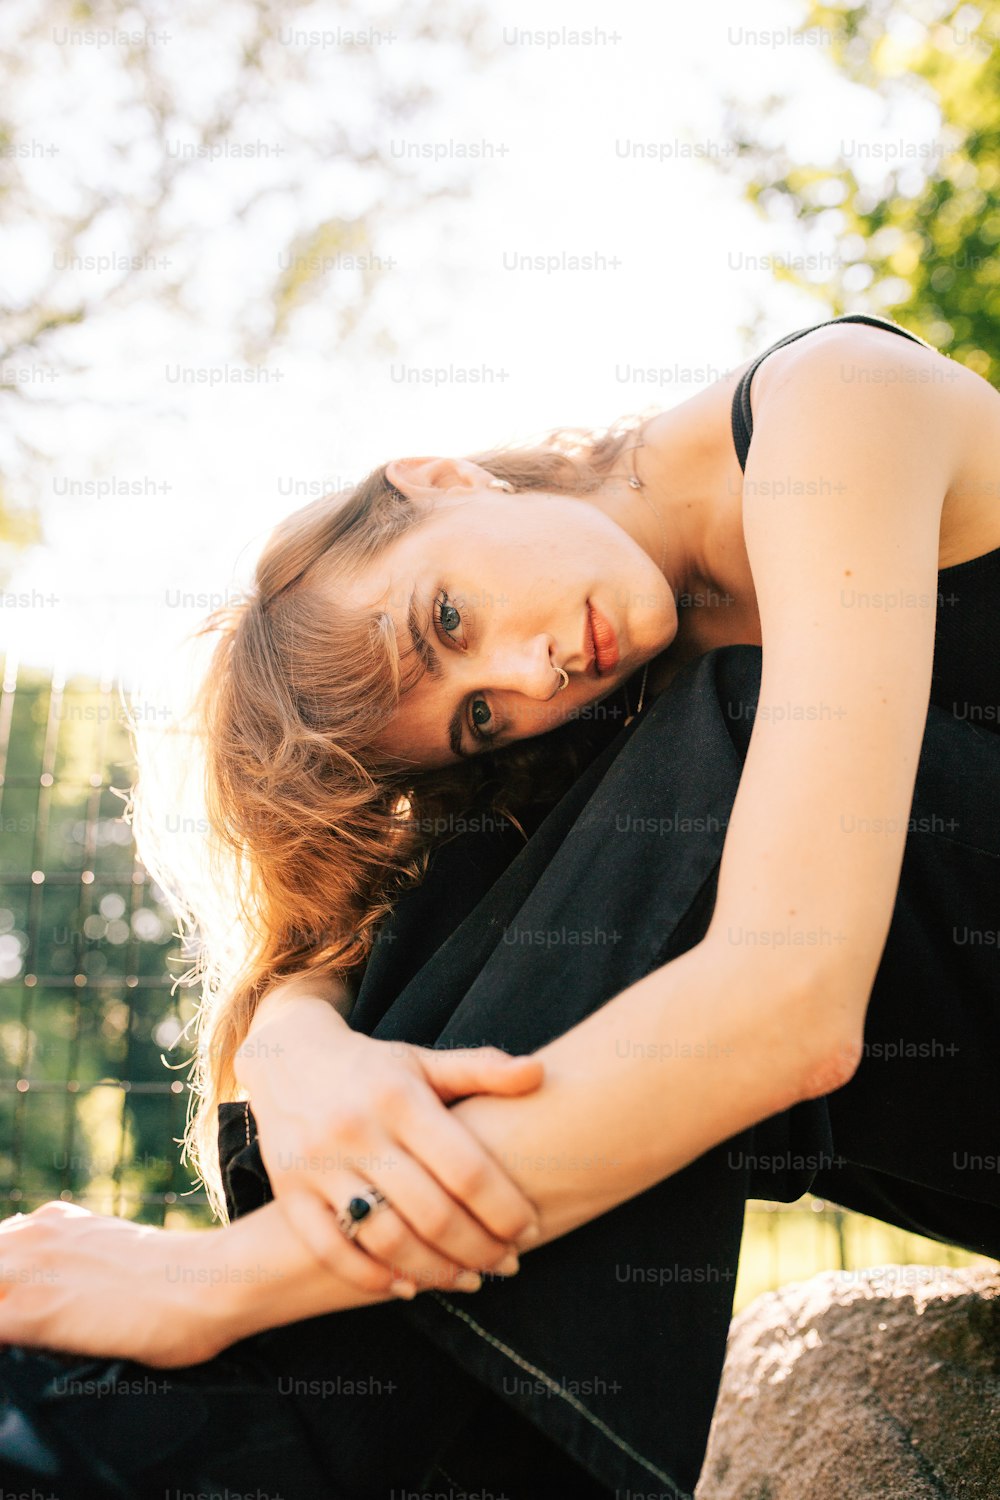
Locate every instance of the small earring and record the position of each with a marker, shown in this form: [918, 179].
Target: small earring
[502, 484]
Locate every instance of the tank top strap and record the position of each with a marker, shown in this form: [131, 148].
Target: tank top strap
[742, 416]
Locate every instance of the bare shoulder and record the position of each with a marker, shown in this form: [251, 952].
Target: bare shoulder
[861, 356]
[845, 368]
[854, 370]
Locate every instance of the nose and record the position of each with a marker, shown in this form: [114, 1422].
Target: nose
[524, 666]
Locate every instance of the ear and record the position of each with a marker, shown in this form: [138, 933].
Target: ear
[430, 479]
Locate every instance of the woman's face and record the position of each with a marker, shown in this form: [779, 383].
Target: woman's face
[510, 586]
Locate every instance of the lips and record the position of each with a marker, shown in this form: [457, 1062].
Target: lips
[605, 643]
[589, 649]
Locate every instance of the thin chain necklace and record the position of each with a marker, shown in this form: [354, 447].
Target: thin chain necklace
[636, 483]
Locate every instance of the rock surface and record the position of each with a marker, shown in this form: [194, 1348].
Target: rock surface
[862, 1385]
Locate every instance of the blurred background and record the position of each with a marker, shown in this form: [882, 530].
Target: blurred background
[249, 251]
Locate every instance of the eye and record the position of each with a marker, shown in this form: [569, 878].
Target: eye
[446, 616]
[481, 714]
[448, 620]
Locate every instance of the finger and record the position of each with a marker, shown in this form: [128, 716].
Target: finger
[315, 1223]
[467, 1171]
[456, 1073]
[442, 1223]
[386, 1236]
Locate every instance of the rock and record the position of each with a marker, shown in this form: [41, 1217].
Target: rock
[881, 1384]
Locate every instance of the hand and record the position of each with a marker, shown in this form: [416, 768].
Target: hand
[83, 1283]
[338, 1112]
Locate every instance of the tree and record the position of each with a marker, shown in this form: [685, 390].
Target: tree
[172, 171]
[911, 213]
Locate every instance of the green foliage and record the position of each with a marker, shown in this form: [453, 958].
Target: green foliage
[913, 218]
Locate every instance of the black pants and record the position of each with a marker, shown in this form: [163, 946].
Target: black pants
[597, 1368]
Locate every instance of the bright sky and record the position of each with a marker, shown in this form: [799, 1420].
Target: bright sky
[682, 272]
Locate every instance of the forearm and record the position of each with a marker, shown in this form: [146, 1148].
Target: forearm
[278, 1005]
[680, 1061]
[691, 1055]
[255, 1274]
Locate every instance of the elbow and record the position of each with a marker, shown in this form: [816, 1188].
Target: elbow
[823, 1021]
[800, 1019]
[831, 1069]
[804, 1021]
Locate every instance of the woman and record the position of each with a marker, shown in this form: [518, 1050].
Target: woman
[708, 943]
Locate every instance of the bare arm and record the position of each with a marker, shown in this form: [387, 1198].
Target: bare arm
[92, 1284]
[844, 491]
[694, 1053]
[604, 1126]
[845, 486]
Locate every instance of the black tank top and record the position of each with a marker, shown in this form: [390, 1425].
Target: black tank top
[966, 672]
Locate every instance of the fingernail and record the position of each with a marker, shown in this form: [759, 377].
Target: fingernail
[509, 1266]
[530, 1236]
[468, 1281]
[403, 1289]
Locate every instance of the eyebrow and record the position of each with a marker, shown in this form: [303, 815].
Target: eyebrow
[431, 663]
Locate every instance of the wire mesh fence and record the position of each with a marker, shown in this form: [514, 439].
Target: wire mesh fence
[89, 1108]
[92, 1100]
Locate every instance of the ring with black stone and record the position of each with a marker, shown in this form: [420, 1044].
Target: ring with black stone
[351, 1218]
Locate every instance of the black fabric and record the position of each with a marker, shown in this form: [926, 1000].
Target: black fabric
[650, 893]
[99, 1429]
[604, 1354]
[905, 1122]
[966, 673]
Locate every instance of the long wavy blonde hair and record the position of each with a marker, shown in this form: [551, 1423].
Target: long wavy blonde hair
[308, 834]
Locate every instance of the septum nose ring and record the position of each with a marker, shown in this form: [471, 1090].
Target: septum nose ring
[565, 678]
